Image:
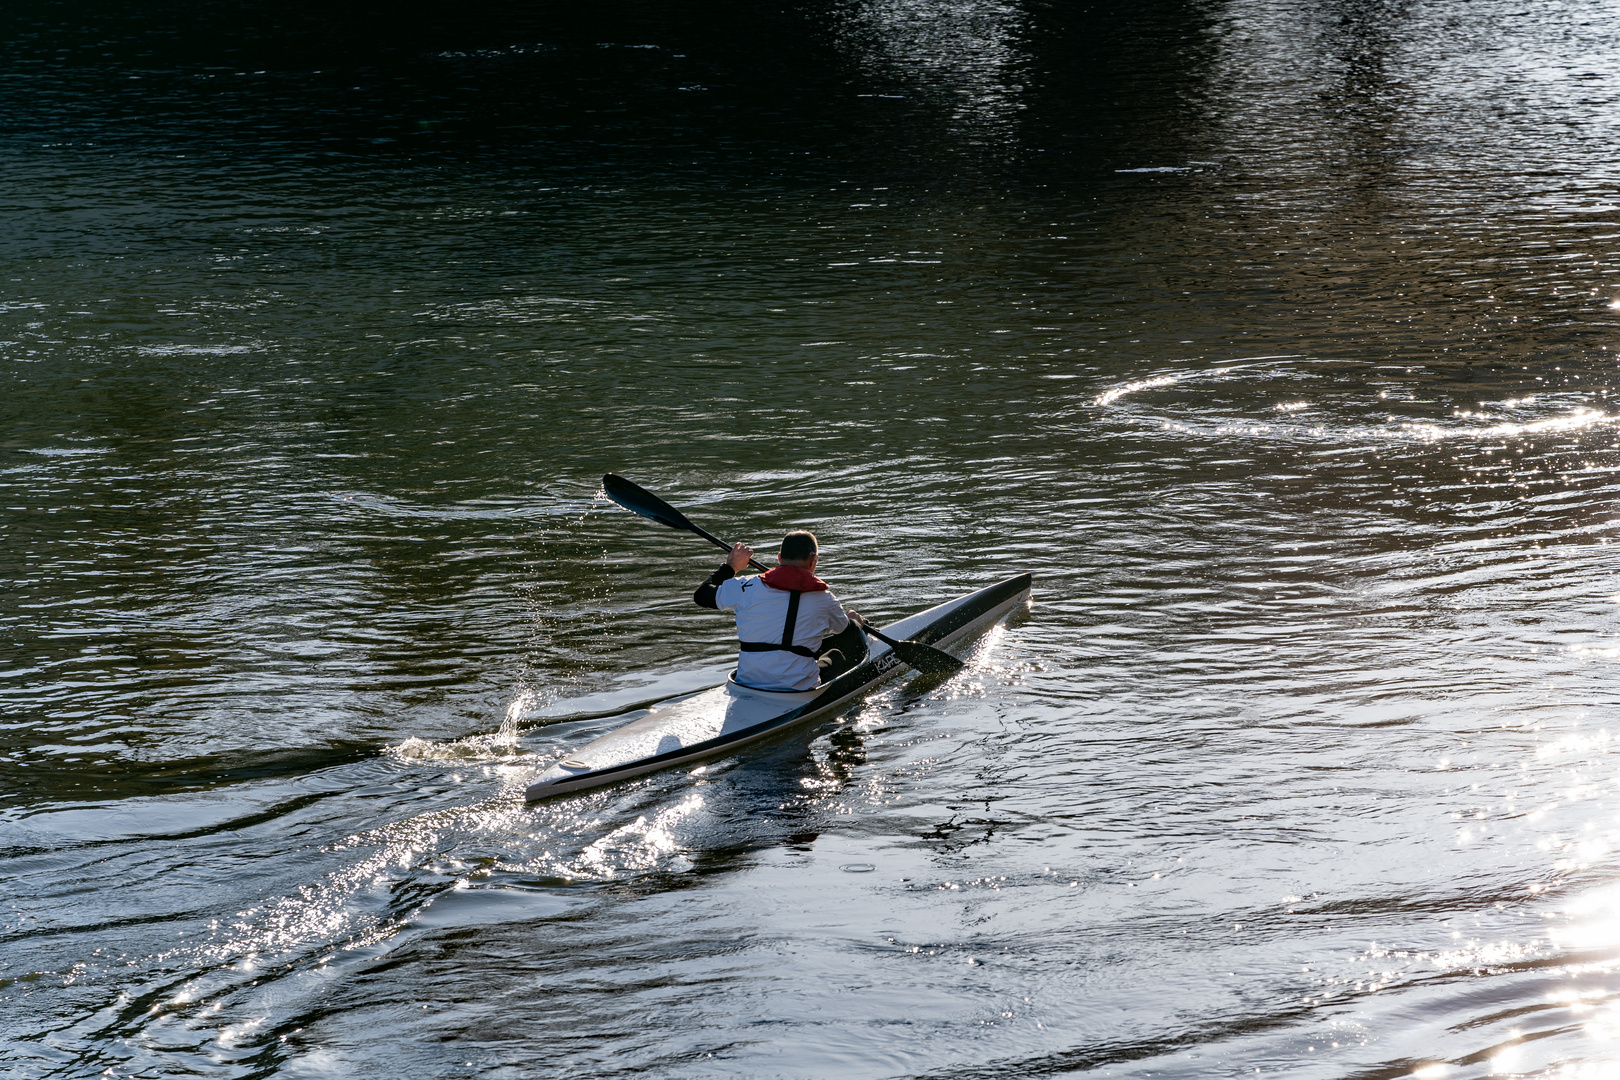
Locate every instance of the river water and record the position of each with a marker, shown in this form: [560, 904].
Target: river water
[1275, 337]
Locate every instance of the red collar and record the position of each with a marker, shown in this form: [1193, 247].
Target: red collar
[793, 579]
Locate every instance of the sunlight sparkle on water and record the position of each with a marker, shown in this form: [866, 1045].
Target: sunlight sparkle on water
[644, 844]
[1588, 1070]
[1594, 921]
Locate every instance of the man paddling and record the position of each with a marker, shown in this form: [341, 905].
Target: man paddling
[782, 614]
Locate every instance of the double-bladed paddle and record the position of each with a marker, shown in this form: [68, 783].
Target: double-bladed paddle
[638, 500]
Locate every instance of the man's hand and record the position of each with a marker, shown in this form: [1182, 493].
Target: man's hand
[740, 554]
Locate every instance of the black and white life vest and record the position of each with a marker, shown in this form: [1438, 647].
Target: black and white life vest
[786, 644]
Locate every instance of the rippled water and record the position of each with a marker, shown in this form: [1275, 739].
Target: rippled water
[1276, 338]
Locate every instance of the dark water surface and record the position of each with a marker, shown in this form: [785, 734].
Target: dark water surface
[1276, 337]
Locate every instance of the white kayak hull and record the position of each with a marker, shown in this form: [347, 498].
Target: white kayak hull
[722, 720]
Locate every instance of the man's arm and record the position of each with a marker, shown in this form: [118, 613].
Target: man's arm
[704, 597]
[837, 617]
[740, 554]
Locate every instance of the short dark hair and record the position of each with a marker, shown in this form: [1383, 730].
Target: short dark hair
[797, 545]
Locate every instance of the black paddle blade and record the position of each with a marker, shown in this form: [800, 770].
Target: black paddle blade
[638, 500]
[926, 659]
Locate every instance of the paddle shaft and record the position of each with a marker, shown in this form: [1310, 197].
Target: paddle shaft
[638, 500]
[717, 542]
[885, 638]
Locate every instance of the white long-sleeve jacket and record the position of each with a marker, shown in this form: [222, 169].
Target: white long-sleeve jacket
[762, 616]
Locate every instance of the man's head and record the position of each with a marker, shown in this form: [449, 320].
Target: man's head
[798, 549]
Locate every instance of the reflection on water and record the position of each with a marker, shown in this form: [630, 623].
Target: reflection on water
[1275, 338]
[962, 56]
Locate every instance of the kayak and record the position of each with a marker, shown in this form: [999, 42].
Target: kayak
[719, 721]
